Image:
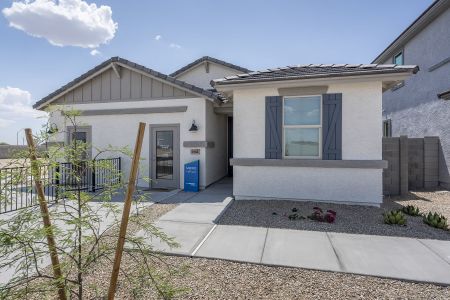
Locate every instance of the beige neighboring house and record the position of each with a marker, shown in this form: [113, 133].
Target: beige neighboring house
[310, 132]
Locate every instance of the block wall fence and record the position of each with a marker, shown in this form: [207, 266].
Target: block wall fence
[413, 163]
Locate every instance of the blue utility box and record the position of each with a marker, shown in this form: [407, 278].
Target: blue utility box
[192, 176]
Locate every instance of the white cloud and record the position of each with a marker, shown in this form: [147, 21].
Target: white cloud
[63, 22]
[158, 37]
[95, 52]
[173, 45]
[16, 113]
[15, 104]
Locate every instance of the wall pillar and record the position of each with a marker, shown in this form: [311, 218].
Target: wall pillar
[431, 161]
[404, 188]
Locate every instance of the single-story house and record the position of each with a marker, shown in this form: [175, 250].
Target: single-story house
[310, 132]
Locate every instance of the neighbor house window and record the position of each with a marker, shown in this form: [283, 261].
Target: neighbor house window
[302, 127]
[387, 128]
[398, 59]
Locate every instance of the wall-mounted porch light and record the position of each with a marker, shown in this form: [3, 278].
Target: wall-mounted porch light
[194, 127]
[52, 129]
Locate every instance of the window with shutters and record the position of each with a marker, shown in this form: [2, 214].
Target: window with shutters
[302, 127]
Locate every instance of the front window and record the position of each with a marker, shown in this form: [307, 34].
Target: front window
[398, 59]
[302, 127]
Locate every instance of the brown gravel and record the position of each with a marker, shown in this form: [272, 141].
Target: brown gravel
[217, 279]
[434, 201]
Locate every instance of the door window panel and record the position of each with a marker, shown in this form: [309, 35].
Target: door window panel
[164, 154]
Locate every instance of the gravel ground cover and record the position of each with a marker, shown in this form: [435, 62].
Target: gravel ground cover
[198, 278]
[350, 218]
[436, 201]
[217, 279]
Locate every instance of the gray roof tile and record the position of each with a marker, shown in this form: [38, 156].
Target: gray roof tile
[315, 71]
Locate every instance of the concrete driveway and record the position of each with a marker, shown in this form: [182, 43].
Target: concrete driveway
[193, 225]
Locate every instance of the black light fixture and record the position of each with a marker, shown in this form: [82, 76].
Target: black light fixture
[52, 129]
[193, 126]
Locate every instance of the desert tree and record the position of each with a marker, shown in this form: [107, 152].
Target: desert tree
[84, 220]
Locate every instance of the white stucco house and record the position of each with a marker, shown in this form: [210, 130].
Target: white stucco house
[310, 132]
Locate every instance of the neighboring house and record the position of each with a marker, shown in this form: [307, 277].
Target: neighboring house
[310, 132]
[419, 106]
[302, 132]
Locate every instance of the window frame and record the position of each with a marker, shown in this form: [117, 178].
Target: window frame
[284, 156]
[387, 128]
[402, 53]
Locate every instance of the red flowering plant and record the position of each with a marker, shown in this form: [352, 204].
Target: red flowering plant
[320, 216]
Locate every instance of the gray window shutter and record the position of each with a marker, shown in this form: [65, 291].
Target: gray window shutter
[274, 128]
[332, 126]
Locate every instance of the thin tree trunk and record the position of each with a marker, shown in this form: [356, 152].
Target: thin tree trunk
[45, 215]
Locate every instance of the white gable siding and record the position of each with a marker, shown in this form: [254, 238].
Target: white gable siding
[199, 77]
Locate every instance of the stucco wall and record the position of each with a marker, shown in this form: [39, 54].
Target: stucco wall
[198, 76]
[361, 140]
[361, 120]
[216, 157]
[414, 108]
[352, 186]
[120, 130]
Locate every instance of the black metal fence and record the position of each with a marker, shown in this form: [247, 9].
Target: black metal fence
[17, 188]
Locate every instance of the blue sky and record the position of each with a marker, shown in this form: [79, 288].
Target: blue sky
[250, 33]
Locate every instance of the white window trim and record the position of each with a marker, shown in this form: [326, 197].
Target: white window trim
[303, 126]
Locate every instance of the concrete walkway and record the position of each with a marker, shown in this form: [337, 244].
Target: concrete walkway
[192, 224]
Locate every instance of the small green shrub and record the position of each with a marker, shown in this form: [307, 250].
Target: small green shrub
[411, 210]
[394, 217]
[296, 217]
[436, 220]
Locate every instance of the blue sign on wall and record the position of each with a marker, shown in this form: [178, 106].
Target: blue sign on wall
[192, 176]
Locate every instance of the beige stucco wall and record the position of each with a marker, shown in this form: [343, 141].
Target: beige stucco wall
[361, 140]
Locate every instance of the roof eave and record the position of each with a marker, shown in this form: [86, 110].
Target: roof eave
[444, 95]
[434, 10]
[397, 75]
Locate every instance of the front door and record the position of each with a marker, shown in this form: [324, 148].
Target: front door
[165, 156]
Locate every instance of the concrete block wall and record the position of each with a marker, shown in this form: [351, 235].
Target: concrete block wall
[413, 163]
[391, 175]
[431, 162]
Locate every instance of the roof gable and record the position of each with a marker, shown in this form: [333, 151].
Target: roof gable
[118, 79]
[203, 59]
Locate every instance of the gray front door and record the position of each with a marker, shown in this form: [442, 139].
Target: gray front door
[165, 156]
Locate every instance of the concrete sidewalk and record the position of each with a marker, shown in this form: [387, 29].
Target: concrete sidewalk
[192, 225]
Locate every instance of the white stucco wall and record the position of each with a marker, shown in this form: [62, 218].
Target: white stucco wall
[121, 130]
[350, 186]
[361, 140]
[199, 77]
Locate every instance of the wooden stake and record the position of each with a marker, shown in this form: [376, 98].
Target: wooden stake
[45, 216]
[126, 212]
